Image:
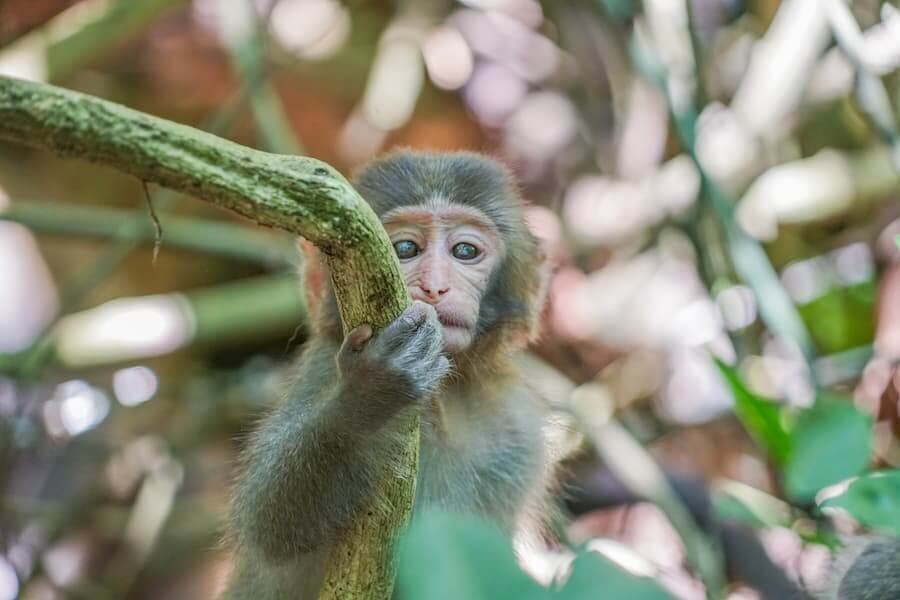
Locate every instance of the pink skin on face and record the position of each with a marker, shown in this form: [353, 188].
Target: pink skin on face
[447, 254]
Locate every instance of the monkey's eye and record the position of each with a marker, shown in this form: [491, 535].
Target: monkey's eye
[464, 251]
[406, 249]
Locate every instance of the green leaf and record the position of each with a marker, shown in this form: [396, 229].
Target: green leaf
[873, 500]
[830, 442]
[760, 416]
[451, 557]
[842, 318]
[594, 577]
[448, 557]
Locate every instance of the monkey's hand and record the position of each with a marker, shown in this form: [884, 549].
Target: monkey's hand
[400, 367]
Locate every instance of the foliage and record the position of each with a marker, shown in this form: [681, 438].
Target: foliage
[873, 500]
[817, 447]
[830, 442]
[762, 417]
[842, 318]
[445, 557]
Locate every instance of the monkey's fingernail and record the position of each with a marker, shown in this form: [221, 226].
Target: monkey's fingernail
[359, 336]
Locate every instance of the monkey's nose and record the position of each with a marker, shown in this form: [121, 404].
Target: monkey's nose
[433, 294]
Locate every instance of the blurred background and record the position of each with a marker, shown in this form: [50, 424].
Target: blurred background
[713, 180]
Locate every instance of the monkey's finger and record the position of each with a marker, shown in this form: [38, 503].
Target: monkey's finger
[426, 333]
[357, 337]
[425, 344]
[414, 315]
[397, 333]
[424, 349]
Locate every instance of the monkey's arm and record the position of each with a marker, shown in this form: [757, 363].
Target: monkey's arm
[314, 462]
[304, 472]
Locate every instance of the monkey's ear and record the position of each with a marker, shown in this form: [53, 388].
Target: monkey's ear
[313, 277]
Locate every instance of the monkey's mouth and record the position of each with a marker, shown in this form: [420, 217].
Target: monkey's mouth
[452, 321]
[457, 333]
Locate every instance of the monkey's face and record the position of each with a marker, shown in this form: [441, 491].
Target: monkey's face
[447, 253]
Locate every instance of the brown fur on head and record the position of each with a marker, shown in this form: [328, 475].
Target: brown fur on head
[510, 305]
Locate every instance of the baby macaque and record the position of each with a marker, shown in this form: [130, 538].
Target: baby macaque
[473, 271]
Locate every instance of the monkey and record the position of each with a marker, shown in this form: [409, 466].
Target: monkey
[473, 271]
[866, 568]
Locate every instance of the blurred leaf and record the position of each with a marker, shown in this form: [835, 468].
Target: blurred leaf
[737, 501]
[843, 318]
[776, 309]
[445, 556]
[873, 500]
[760, 417]
[594, 577]
[830, 442]
[820, 535]
[728, 508]
[619, 10]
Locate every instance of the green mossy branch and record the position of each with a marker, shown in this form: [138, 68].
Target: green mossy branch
[299, 194]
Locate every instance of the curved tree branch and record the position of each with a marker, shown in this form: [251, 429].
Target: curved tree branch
[298, 194]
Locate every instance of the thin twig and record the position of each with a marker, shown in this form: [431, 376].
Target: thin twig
[157, 239]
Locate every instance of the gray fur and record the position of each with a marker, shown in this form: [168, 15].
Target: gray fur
[866, 569]
[314, 462]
